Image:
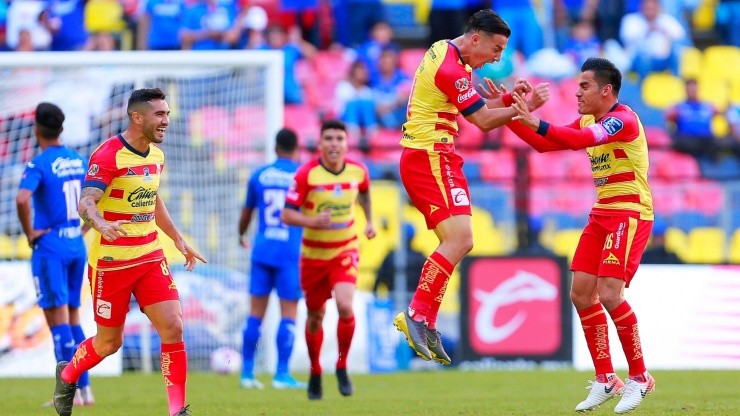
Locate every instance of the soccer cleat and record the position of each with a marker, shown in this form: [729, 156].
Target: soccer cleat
[64, 393]
[86, 395]
[185, 411]
[415, 333]
[600, 393]
[285, 381]
[434, 343]
[345, 384]
[251, 383]
[314, 387]
[634, 392]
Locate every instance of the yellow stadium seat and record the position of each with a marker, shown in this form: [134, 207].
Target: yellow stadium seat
[706, 245]
[487, 239]
[715, 90]
[7, 247]
[662, 90]
[720, 126]
[735, 91]
[451, 301]
[721, 61]
[386, 199]
[733, 255]
[691, 61]
[23, 250]
[704, 15]
[565, 242]
[676, 242]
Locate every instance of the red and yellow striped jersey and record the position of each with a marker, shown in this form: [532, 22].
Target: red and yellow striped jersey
[620, 165]
[442, 89]
[618, 152]
[130, 180]
[314, 190]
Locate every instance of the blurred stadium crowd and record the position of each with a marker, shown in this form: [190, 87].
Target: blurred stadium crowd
[354, 60]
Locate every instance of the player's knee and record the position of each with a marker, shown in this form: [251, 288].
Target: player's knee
[172, 330]
[344, 308]
[610, 299]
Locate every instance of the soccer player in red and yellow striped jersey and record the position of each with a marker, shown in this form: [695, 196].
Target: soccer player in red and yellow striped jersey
[120, 201]
[322, 199]
[431, 170]
[618, 228]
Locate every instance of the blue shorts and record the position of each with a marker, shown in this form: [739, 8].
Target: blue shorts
[283, 278]
[58, 280]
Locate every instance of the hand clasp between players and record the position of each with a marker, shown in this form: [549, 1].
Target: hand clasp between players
[523, 114]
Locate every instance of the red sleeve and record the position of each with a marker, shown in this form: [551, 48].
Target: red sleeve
[455, 82]
[103, 168]
[533, 139]
[364, 186]
[617, 127]
[298, 190]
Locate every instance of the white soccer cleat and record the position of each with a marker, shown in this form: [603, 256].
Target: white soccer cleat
[634, 392]
[600, 393]
[87, 395]
[251, 383]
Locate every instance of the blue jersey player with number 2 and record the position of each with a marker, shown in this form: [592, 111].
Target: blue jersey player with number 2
[53, 180]
[275, 255]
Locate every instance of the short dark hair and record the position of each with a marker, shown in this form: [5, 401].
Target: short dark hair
[333, 124]
[49, 119]
[143, 96]
[604, 72]
[488, 21]
[286, 140]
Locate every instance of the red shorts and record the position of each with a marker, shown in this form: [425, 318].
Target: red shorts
[612, 246]
[111, 289]
[435, 183]
[318, 277]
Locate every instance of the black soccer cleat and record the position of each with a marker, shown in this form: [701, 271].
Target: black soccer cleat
[314, 387]
[434, 343]
[415, 333]
[64, 393]
[184, 411]
[345, 383]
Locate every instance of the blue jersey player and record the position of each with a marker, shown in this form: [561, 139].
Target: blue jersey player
[275, 255]
[53, 180]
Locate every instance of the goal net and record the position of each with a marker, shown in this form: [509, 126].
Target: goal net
[226, 109]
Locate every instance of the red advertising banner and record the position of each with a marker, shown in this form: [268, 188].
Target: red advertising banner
[515, 308]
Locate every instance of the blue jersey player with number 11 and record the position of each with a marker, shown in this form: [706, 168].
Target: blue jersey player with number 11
[53, 180]
[275, 256]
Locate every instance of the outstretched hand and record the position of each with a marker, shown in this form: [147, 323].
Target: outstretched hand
[523, 114]
[490, 91]
[190, 254]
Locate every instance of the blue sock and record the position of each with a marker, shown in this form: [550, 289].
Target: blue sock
[79, 337]
[285, 339]
[249, 344]
[64, 344]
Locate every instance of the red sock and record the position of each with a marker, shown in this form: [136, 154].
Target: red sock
[345, 332]
[593, 321]
[431, 289]
[313, 342]
[626, 322]
[84, 359]
[174, 363]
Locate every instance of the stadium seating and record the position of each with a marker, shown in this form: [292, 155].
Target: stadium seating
[691, 63]
[409, 59]
[22, 250]
[715, 90]
[676, 241]
[705, 245]
[565, 242]
[721, 62]
[661, 90]
[7, 247]
[304, 120]
[733, 255]
[497, 165]
[657, 137]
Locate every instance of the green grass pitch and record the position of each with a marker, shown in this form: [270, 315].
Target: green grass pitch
[440, 393]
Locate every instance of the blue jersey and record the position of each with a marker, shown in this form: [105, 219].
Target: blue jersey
[275, 243]
[55, 178]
